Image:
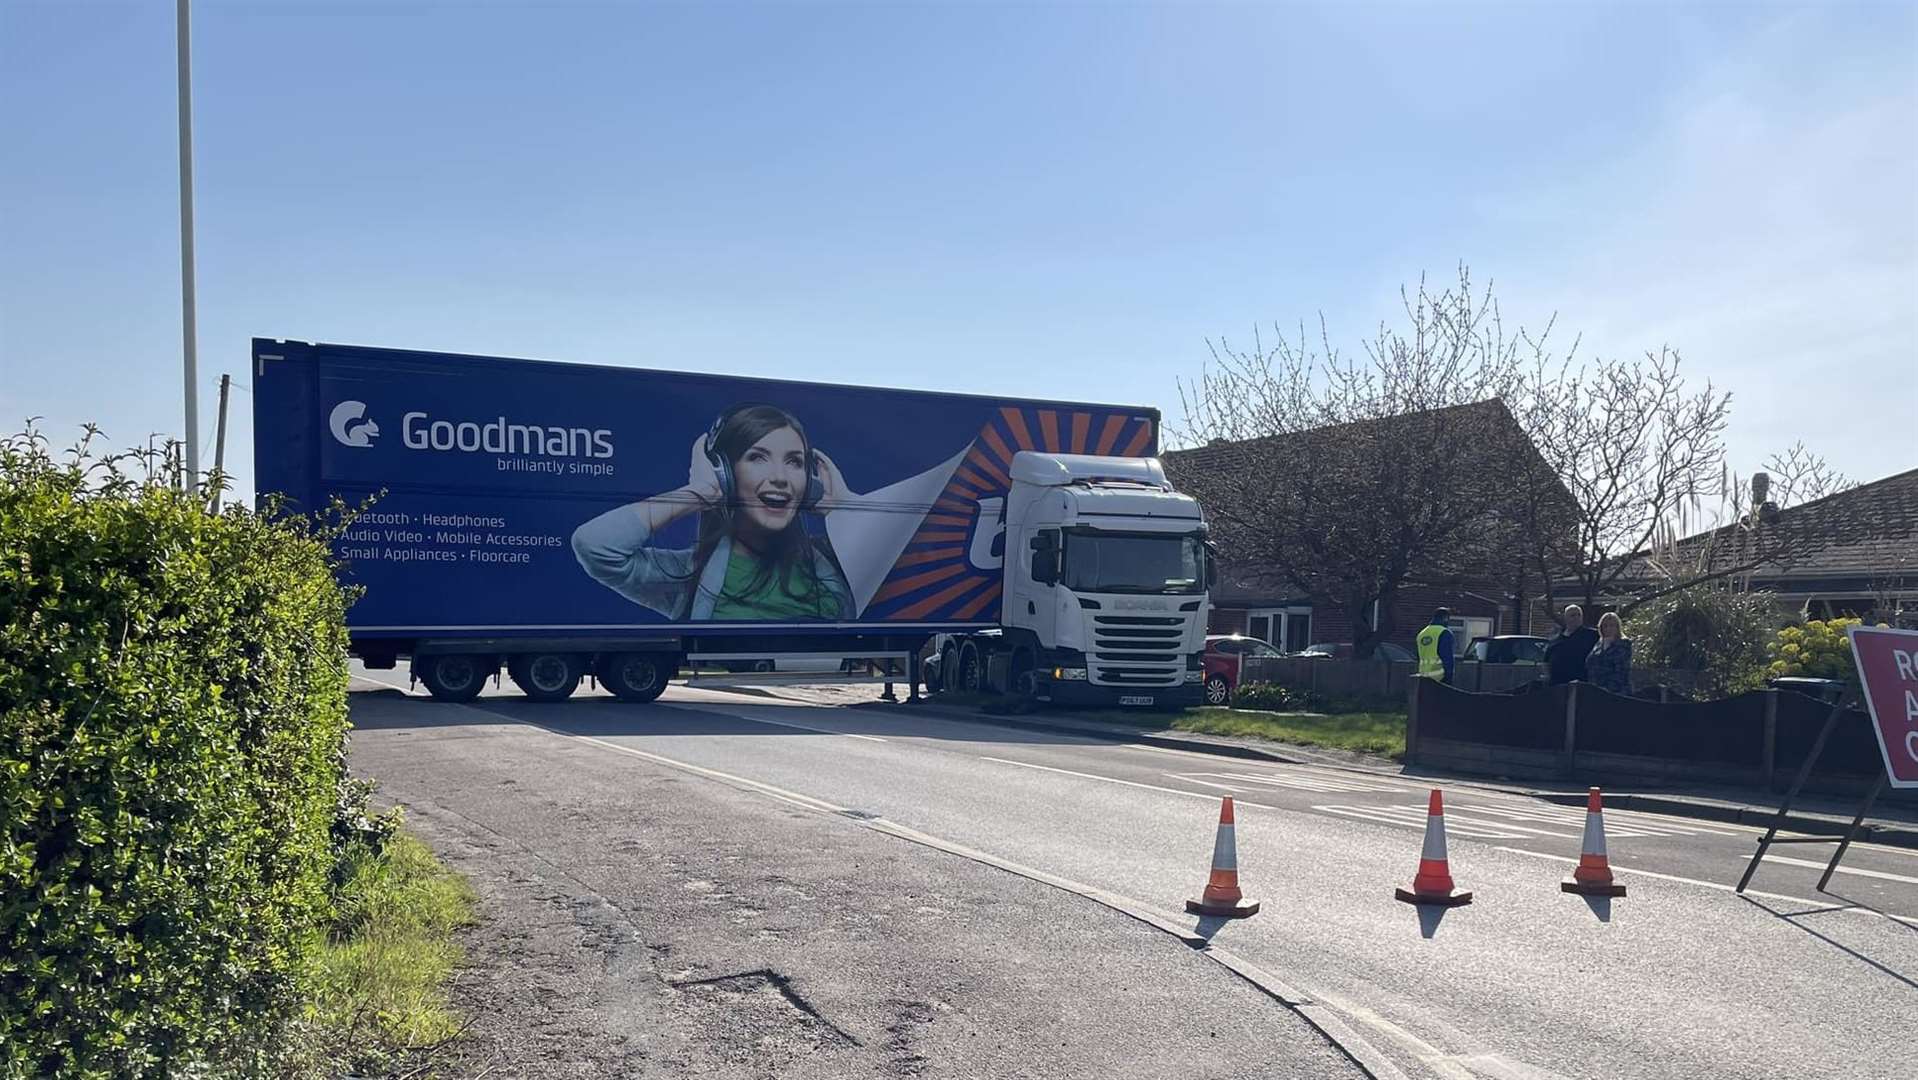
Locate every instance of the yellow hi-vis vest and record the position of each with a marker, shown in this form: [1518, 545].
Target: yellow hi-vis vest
[1430, 666]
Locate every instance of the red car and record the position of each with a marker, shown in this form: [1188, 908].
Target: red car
[1225, 656]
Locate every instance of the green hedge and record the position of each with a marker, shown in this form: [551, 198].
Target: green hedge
[173, 689]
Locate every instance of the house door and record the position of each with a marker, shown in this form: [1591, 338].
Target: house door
[1288, 629]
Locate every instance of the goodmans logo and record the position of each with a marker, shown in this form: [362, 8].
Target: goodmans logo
[352, 427]
[350, 424]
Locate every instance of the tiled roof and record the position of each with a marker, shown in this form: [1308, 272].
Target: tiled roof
[1222, 454]
[1874, 528]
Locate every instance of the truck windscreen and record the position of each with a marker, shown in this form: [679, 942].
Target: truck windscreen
[1133, 563]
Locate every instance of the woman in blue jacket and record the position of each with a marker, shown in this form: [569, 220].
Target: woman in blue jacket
[752, 477]
[1610, 663]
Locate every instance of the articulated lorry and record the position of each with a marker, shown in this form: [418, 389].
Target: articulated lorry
[566, 521]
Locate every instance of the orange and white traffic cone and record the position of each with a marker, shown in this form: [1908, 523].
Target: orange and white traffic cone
[1222, 896]
[1594, 874]
[1433, 883]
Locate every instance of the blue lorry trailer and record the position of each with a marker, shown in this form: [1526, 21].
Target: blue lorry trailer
[567, 520]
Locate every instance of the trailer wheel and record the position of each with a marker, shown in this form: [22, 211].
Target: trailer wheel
[636, 677]
[546, 676]
[454, 677]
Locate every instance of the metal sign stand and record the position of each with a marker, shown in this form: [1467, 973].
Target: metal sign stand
[1804, 771]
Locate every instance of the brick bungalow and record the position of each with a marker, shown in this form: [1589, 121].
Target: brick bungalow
[1254, 601]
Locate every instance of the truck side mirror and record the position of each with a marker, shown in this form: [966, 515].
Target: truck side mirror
[1211, 565]
[1045, 559]
[1045, 568]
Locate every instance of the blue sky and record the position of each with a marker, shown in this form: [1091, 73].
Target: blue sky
[1060, 200]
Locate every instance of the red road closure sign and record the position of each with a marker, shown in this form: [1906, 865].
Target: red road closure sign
[1888, 665]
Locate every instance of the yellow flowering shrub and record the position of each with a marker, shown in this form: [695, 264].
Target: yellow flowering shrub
[1820, 649]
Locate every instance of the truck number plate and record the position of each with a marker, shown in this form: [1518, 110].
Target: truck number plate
[1136, 699]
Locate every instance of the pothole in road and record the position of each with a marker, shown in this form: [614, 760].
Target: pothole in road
[754, 1015]
[902, 1036]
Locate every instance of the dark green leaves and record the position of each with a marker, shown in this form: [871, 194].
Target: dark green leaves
[172, 713]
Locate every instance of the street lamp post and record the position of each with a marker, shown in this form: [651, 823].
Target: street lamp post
[188, 331]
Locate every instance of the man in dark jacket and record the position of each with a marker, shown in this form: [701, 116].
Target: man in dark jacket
[1566, 653]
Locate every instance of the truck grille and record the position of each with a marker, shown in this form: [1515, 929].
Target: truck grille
[1137, 650]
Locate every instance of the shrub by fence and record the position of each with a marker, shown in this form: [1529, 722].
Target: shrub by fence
[172, 688]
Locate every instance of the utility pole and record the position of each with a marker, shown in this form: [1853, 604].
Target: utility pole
[219, 445]
[188, 331]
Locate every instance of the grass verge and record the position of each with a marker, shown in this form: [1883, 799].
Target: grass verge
[382, 1004]
[1365, 732]
[1368, 732]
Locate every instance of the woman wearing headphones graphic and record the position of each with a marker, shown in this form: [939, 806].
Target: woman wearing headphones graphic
[753, 476]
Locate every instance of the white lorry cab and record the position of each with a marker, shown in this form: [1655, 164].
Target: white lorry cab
[1105, 592]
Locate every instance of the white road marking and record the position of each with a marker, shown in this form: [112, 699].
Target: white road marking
[1479, 822]
[1415, 814]
[1395, 815]
[1205, 783]
[409, 691]
[1116, 780]
[1842, 868]
[1644, 823]
[1451, 1066]
[1864, 845]
[1617, 822]
[1315, 782]
[793, 797]
[1273, 781]
[1627, 829]
[1619, 868]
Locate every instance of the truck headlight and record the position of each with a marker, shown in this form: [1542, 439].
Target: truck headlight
[1069, 674]
[1193, 676]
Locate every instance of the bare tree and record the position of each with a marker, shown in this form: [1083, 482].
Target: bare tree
[1634, 446]
[1343, 478]
[1747, 531]
[1449, 452]
[1799, 476]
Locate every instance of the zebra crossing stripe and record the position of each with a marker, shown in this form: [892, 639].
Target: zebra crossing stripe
[1393, 815]
[1312, 783]
[1643, 824]
[1631, 830]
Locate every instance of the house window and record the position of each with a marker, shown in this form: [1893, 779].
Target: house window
[1289, 628]
[1298, 630]
[1259, 626]
[1467, 629]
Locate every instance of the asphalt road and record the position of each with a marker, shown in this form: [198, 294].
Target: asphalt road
[1680, 978]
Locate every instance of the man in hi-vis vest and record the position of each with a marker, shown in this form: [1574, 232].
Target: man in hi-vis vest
[1435, 647]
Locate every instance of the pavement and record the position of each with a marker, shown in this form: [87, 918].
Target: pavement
[1055, 864]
